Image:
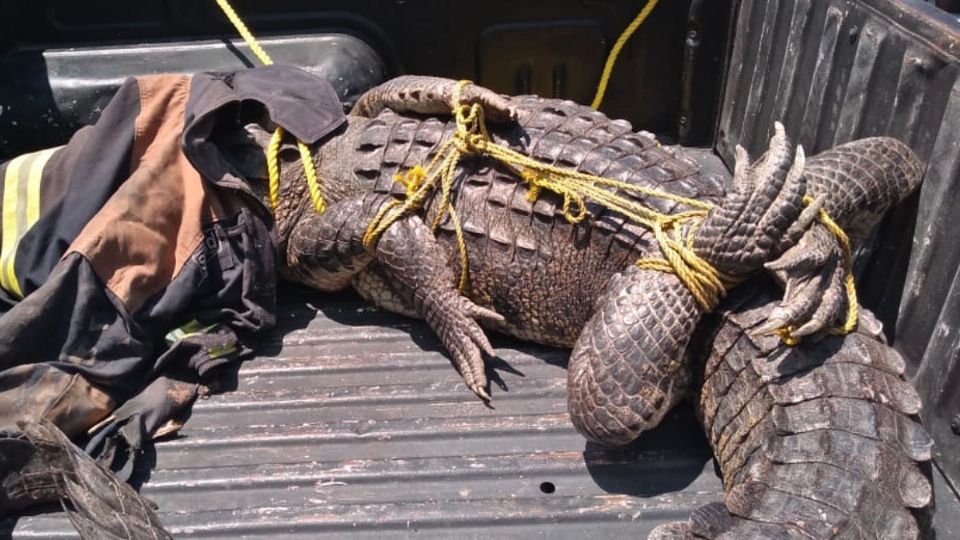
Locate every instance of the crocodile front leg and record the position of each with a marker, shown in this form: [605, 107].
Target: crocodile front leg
[627, 368]
[415, 266]
[407, 271]
[857, 183]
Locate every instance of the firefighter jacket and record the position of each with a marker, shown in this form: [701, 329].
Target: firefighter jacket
[135, 259]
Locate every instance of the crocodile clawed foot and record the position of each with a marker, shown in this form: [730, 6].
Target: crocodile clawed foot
[763, 216]
[456, 320]
[814, 296]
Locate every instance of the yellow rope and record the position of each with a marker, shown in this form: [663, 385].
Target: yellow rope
[615, 51]
[706, 283]
[273, 168]
[244, 32]
[313, 183]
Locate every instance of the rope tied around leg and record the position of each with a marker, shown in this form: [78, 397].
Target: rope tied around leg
[785, 333]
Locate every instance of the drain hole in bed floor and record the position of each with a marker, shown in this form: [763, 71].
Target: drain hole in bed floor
[548, 487]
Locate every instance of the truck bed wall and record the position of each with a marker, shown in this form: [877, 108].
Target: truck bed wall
[666, 80]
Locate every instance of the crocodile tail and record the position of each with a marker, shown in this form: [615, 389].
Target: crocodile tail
[98, 504]
[816, 441]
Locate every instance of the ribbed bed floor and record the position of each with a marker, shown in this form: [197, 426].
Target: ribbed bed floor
[352, 420]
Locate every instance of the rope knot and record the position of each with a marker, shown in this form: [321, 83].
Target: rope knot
[707, 284]
[534, 184]
[574, 206]
[412, 179]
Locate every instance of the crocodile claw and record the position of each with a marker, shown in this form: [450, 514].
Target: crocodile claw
[763, 216]
[481, 393]
[770, 326]
[456, 319]
[812, 273]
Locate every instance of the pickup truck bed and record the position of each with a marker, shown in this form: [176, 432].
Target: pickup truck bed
[351, 420]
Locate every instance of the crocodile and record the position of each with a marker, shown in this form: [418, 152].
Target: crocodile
[537, 276]
[534, 274]
[816, 441]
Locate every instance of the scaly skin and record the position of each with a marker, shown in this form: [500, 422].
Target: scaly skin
[816, 441]
[54, 469]
[813, 442]
[556, 283]
[621, 372]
